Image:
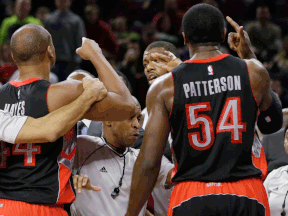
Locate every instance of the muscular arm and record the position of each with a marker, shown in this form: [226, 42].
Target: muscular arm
[54, 125]
[148, 163]
[117, 106]
[269, 104]
[260, 82]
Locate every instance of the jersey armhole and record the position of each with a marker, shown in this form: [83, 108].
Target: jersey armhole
[251, 85]
[47, 97]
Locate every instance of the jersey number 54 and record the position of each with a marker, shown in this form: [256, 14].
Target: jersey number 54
[229, 121]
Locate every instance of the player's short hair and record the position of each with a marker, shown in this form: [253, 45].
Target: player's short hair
[166, 45]
[29, 42]
[84, 72]
[203, 23]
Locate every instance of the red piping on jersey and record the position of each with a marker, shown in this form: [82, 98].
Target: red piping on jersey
[173, 95]
[251, 85]
[47, 97]
[217, 58]
[25, 82]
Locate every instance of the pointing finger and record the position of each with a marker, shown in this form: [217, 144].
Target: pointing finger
[241, 32]
[233, 24]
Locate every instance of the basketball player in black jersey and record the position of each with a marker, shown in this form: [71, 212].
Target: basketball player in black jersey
[36, 178]
[57, 123]
[210, 103]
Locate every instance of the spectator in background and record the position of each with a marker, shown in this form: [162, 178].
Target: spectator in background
[273, 145]
[120, 28]
[21, 17]
[281, 60]
[166, 28]
[277, 86]
[276, 183]
[7, 66]
[148, 36]
[42, 13]
[265, 36]
[67, 30]
[101, 32]
[133, 69]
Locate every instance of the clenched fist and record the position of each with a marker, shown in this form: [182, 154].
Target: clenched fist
[88, 49]
[95, 88]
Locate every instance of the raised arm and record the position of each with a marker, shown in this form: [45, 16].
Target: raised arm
[54, 125]
[148, 163]
[117, 106]
[270, 119]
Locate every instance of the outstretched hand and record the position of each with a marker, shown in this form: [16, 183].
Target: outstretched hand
[82, 181]
[240, 41]
[166, 61]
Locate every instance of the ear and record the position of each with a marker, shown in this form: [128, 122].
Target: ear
[184, 37]
[224, 35]
[50, 52]
[108, 123]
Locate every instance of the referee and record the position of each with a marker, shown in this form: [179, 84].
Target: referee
[109, 162]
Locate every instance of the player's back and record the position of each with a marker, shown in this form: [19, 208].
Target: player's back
[33, 172]
[213, 120]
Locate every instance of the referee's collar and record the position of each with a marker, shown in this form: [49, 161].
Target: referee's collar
[114, 150]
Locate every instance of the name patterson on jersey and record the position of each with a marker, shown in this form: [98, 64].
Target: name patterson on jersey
[213, 86]
[16, 108]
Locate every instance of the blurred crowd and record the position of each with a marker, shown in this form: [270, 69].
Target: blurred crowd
[124, 28]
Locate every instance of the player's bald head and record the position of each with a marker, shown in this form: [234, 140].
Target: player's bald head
[29, 43]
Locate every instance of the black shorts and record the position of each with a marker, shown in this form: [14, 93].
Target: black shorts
[241, 198]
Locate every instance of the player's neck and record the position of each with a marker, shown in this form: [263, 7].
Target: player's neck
[33, 71]
[202, 51]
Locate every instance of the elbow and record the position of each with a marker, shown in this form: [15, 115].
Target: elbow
[52, 137]
[130, 108]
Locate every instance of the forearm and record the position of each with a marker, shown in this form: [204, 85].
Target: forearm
[54, 125]
[249, 55]
[143, 181]
[110, 78]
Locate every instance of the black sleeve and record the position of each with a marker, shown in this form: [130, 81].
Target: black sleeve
[271, 120]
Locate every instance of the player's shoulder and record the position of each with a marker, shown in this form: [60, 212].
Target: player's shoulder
[256, 67]
[70, 85]
[181, 67]
[162, 82]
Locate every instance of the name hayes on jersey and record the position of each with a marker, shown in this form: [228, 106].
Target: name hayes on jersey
[15, 109]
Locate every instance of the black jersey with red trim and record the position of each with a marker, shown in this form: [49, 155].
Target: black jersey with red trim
[34, 172]
[213, 119]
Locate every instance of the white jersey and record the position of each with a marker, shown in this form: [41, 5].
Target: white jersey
[104, 169]
[276, 185]
[10, 126]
